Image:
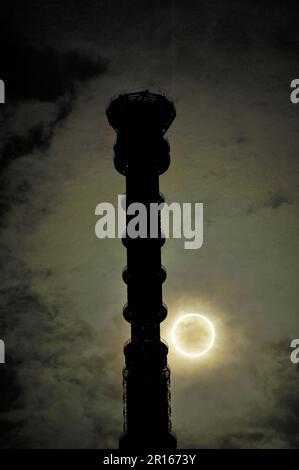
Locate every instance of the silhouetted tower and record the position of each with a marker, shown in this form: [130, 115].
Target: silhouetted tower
[141, 155]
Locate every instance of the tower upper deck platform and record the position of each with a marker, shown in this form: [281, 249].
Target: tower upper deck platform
[141, 111]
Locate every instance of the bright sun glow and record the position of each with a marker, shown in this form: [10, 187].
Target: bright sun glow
[208, 324]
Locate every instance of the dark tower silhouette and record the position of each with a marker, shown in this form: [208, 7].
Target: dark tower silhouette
[141, 155]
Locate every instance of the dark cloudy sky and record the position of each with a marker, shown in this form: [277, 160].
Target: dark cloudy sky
[234, 144]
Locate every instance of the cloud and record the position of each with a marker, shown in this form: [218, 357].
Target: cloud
[42, 73]
[276, 423]
[56, 372]
[277, 199]
[59, 388]
[46, 79]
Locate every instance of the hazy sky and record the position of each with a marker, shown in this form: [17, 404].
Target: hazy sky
[234, 147]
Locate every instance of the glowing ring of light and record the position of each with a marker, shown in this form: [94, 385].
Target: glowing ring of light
[212, 333]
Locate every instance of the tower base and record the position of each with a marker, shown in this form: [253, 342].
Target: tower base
[144, 441]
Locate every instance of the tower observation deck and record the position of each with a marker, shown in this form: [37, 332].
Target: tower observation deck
[141, 154]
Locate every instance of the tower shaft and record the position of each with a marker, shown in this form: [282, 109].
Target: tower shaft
[141, 154]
